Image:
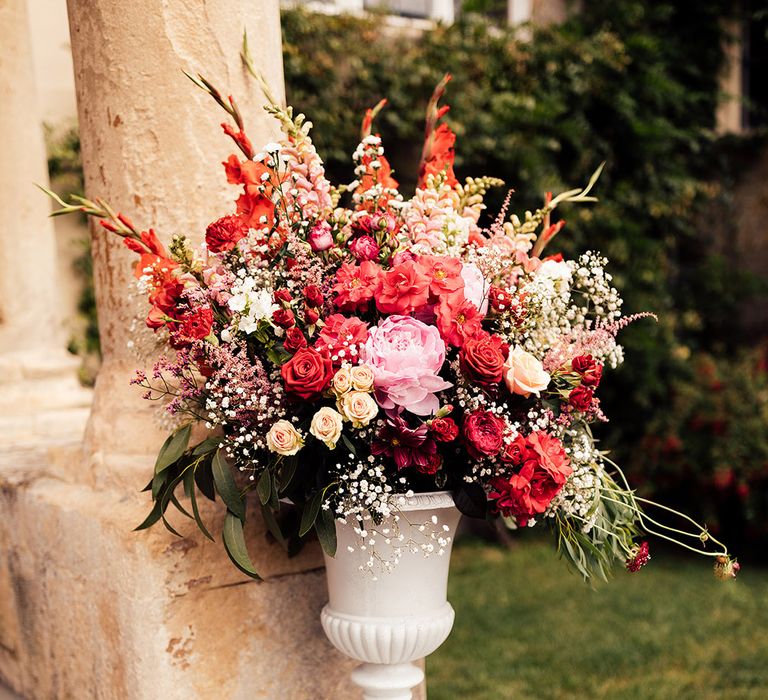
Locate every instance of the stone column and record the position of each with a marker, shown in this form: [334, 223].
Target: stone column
[37, 375]
[88, 608]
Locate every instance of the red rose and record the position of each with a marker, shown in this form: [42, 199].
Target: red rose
[156, 318]
[313, 296]
[310, 315]
[223, 234]
[307, 373]
[581, 398]
[283, 295]
[294, 340]
[517, 452]
[444, 429]
[543, 469]
[482, 359]
[284, 318]
[197, 324]
[403, 289]
[590, 370]
[483, 432]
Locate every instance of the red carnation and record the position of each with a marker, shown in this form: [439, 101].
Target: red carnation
[543, 469]
[283, 318]
[482, 359]
[590, 370]
[444, 429]
[196, 324]
[307, 373]
[294, 340]
[222, 235]
[581, 398]
[483, 433]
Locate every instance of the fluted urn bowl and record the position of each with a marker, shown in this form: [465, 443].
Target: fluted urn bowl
[388, 619]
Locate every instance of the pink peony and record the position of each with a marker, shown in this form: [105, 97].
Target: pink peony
[406, 356]
[320, 237]
[364, 248]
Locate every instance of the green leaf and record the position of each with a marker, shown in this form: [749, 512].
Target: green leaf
[152, 518]
[287, 472]
[309, 514]
[173, 448]
[272, 525]
[204, 478]
[264, 487]
[189, 482]
[225, 485]
[180, 507]
[234, 543]
[325, 526]
[471, 500]
[207, 445]
[348, 443]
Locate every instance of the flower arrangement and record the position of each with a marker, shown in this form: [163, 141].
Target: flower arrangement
[345, 346]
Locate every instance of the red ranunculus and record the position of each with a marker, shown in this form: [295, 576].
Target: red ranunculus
[284, 318]
[590, 370]
[483, 434]
[294, 340]
[543, 469]
[196, 324]
[482, 359]
[403, 289]
[355, 285]
[581, 398]
[457, 319]
[444, 429]
[307, 373]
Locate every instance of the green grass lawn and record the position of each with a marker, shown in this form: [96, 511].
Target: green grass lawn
[527, 628]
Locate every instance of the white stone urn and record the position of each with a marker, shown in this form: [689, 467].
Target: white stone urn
[388, 619]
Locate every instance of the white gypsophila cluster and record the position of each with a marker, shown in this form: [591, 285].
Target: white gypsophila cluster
[546, 302]
[581, 491]
[250, 302]
[597, 299]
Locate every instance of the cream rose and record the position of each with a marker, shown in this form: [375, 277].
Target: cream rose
[326, 426]
[358, 407]
[362, 378]
[524, 374]
[341, 382]
[284, 439]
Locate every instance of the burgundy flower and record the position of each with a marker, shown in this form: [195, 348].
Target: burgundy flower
[638, 558]
[483, 433]
[409, 447]
[444, 429]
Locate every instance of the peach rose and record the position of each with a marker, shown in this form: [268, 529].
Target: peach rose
[326, 426]
[358, 407]
[341, 382]
[362, 378]
[284, 439]
[524, 374]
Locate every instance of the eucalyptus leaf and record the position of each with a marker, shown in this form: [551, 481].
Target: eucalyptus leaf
[272, 525]
[234, 543]
[471, 500]
[325, 526]
[287, 472]
[309, 514]
[173, 448]
[204, 478]
[264, 487]
[225, 485]
[189, 483]
[208, 445]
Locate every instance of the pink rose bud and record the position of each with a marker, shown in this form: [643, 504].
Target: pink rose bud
[364, 248]
[320, 237]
